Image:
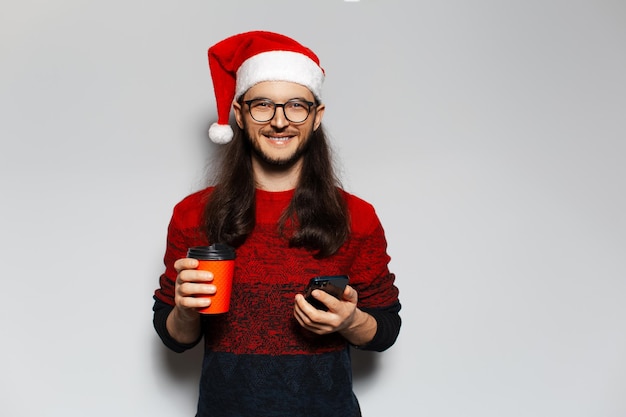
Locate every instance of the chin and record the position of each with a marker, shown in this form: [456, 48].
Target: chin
[279, 161]
[278, 158]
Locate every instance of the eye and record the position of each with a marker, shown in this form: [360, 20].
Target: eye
[263, 104]
[297, 104]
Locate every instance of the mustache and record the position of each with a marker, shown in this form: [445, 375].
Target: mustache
[274, 132]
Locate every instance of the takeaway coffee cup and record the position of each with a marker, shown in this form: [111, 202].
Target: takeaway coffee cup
[220, 260]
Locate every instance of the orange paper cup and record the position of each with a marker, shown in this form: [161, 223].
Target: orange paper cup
[220, 260]
[223, 280]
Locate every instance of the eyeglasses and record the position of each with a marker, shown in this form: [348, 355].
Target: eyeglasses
[263, 110]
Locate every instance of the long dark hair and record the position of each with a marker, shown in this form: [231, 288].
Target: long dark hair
[316, 219]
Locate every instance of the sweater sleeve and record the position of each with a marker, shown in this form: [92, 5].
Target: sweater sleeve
[161, 312]
[370, 276]
[388, 327]
[182, 233]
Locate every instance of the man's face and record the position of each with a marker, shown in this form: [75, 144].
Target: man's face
[278, 141]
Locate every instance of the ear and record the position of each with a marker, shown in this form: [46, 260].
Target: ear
[319, 115]
[237, 110]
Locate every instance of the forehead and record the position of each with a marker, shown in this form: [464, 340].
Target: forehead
[278, 91]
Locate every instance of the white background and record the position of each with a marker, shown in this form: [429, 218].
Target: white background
[490, 136]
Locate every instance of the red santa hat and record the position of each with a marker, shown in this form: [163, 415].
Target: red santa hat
[241, 61]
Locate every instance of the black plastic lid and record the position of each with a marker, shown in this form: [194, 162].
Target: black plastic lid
[215, 252]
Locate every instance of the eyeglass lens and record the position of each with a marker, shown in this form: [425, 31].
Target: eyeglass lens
[263, 110]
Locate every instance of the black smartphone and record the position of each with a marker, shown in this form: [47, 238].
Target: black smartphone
[333, 285]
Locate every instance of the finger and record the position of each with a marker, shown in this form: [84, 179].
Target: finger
[194, 302]
[328, 300]
[305, 321]
[311, 317]
[304, 312]
[194, 275]
[193, 289]
[297, 313]
[350, 294]
[185, 263]
[302, 303]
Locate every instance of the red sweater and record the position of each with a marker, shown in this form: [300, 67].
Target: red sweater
[260, 323]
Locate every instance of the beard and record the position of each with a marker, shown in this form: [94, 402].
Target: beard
[284, 162]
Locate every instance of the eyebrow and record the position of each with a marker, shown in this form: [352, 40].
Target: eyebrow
[276, 101]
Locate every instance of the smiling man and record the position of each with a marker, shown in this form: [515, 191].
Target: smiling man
[278, 133]
[278, 202]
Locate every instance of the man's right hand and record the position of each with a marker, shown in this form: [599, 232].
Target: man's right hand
[191, 284]
[183, 323]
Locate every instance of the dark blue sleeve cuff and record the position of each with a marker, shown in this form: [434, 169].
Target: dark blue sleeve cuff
[161, 312]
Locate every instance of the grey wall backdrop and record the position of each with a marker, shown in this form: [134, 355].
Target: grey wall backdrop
[488, 134]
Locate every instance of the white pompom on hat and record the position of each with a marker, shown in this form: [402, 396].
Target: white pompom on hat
[241, 61]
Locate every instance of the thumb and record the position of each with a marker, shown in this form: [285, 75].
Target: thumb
[350, 294]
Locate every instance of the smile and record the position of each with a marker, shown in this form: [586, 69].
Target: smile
[279, 138]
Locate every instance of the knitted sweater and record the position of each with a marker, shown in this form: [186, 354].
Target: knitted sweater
[258, 360]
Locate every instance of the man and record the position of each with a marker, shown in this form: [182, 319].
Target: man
[278, 203]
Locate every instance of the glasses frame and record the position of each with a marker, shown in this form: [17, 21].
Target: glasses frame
[310, 105]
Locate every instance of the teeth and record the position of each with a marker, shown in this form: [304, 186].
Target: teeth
[279, 139]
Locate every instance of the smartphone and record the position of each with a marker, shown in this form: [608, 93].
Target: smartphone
[333, 285]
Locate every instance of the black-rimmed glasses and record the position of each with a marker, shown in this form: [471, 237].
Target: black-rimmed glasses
[263, 110]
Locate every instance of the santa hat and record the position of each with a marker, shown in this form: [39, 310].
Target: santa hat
[241, 61]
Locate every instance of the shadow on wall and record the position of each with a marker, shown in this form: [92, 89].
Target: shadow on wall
[364, 364]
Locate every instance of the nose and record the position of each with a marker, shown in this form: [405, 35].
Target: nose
[279, 120]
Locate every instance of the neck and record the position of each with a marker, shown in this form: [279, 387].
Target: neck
[276, 178]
